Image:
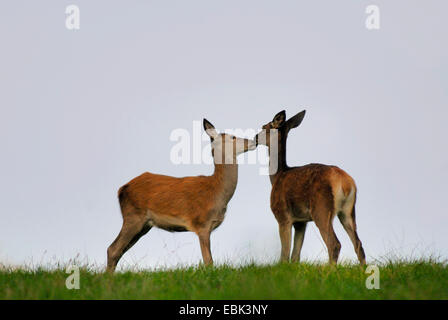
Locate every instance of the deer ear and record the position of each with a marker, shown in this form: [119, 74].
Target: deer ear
[296, 120]
[279, 119]
[210, 129]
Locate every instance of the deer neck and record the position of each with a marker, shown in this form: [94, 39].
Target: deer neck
[226, 178]
[277, 159]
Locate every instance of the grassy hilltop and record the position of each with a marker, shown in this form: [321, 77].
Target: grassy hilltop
[398, 280]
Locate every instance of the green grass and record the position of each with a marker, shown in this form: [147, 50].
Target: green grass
[399, 280]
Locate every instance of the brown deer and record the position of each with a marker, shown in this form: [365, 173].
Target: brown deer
[196, 204]
[314, 192]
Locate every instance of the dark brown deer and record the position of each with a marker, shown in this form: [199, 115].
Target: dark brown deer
[196, 204]
[314, 192]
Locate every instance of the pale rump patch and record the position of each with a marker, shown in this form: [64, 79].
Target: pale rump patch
[344, 191]
[343, 201]
[349, 201]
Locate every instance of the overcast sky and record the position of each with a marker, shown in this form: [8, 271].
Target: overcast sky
[84, 111]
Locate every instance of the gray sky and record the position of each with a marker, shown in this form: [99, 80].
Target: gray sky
[83, 112]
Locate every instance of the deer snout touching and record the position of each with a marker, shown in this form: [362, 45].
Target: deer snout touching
[263, 137]
[249, 145]
[259, 137]
[243, 145]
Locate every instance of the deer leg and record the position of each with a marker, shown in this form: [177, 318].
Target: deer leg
[323, 217]
[299, 234]
[332, 242]
[349, 224]
[285, 238]
[132, 230]
[204, 241]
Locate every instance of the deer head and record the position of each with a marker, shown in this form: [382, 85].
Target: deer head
[226, 147]
[279, 127]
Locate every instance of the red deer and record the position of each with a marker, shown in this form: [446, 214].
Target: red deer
[314, 192]
[196, 204]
